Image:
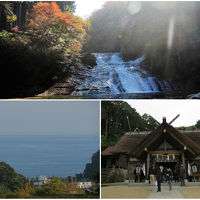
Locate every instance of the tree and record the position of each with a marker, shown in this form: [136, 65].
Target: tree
[5, 10]
[151, 122]
[67, 6]
[197, 125]
[10, 181]
[56, 186]
[114, 121]
[48, 19]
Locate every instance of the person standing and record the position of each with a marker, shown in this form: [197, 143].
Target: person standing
[158, 177]
[138, 169]
[161, 170]
[165, 174]
[169, 177]
[177, 171]
[182, 176]
[152, 175]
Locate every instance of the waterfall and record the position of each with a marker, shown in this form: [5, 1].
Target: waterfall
[112, 75]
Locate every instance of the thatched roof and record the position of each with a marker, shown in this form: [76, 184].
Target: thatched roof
[108, 151]
[193, 135]
[127, 142]
[134, 143]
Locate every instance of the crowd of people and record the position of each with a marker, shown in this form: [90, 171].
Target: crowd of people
[160, 174]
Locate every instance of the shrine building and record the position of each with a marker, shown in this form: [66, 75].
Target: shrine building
[164, 146]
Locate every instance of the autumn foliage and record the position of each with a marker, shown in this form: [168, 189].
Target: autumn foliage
[47, 20]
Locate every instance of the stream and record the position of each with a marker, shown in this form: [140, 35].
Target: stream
[113, 77]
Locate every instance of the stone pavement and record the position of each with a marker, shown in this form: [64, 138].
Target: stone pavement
[175, 193]
[144, 190]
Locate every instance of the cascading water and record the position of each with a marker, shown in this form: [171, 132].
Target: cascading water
[113, 76]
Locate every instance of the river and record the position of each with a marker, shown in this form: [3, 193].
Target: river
[114, 77]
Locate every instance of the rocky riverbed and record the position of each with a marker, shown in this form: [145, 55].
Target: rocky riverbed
[113, 78]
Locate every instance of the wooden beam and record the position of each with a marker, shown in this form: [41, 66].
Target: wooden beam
[168, 152]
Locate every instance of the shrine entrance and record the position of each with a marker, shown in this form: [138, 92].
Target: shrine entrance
[171, 165]
[166, 159]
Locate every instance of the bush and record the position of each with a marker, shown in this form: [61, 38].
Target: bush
[27, 70]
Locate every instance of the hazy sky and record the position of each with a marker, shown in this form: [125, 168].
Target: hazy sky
[85, 8]
[78, 117]
[189, 110]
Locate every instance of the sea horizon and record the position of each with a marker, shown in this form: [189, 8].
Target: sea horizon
[61, 155]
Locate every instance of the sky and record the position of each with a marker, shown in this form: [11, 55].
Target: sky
[49, 117]
[189, 110]
[84, 8]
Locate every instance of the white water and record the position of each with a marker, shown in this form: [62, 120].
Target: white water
[113, 75]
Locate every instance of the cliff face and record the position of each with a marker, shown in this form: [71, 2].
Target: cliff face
[91, 169]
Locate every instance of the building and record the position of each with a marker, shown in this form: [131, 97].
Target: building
[85, 184]
[42, 180]
[164, 146]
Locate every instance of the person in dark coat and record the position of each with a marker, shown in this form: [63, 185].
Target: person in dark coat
[158, 177]
[169, 178]
[177, 173]
[182, 175]
[141, 175]
[152, 175]
[135, 175]
[165, 174]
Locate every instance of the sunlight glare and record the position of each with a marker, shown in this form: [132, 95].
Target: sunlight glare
[170, 32]
[85, 8]
[134, 7]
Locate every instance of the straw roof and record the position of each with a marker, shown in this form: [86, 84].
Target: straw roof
[135, 143]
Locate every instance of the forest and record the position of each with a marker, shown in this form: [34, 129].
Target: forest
[166, 33]
[118, 117]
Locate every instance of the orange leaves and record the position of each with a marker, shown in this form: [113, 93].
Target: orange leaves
[47, 15]
[57, 29]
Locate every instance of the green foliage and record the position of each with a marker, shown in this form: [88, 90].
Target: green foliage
[114, 122]
[197, 125]
[35, 59]
[151, 124]
[193, 127]
[111, 175]
[27, 69]
[5, 34]
[67, 6]
[56, 186]
[5, 10]
[10, 181]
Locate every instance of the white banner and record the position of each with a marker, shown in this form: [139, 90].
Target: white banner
[189, 169]
[143, 169]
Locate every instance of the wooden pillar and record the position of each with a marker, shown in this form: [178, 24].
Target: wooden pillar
[148, 163]
[183, 160]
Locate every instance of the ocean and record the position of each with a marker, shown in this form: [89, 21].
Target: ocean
[48, 155]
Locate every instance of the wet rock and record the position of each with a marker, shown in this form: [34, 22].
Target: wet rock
[89, 59]
[194, 96]
[66, 86]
